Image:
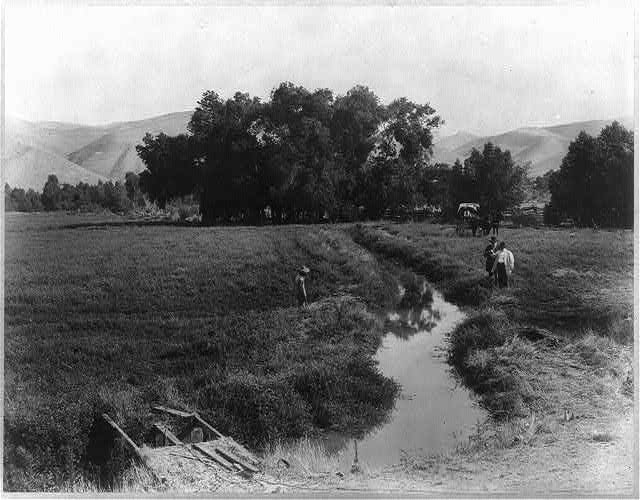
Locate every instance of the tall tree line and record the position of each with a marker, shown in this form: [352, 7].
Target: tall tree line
[302, 155]
[118, 197]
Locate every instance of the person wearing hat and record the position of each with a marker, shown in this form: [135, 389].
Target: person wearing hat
[300, 290]
[490, 255]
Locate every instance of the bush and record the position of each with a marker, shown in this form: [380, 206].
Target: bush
[183, 208]
[524, 220]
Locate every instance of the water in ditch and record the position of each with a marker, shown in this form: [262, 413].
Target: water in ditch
[434, 412]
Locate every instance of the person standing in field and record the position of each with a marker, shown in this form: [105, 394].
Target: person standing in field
[300, 290]
[495, 222]
[490, 255]
[503, 265]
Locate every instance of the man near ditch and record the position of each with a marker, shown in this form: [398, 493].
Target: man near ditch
[490, 255]
[300, 289]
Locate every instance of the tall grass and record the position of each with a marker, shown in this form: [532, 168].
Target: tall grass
[114, 319]
[301, 457]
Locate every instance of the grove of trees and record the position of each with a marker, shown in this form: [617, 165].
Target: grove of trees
[117, 197]
[302, 156]
[490, 178]
[594, 185]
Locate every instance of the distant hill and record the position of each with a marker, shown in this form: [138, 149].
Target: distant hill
[113, 153]
[543, 147]
[29, 167]
[79, 152]
[452, 142]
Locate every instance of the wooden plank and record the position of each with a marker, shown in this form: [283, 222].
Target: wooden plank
[168, 434]
[171, 411]
[207, 425]
[232, 458]
[123, 434]
[138, 454]
[242, 450]
[216, 458]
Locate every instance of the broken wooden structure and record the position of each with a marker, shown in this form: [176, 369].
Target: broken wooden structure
[188, 436]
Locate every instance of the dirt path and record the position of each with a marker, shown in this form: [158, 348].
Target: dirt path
[586, 456]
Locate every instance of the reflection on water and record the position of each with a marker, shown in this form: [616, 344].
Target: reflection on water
[433, 412]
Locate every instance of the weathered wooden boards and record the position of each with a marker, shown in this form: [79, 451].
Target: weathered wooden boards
[218, 450]
[194, 416]
[226, 451]
[169, 436]
[134, 448]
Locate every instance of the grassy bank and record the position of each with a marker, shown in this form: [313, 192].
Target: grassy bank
[567, 315]
[101, 316]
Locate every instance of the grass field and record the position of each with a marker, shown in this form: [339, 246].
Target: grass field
[102, 315]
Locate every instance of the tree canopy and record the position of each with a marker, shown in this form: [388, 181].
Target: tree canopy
[490, 178]
[302, 155]
[595, 182]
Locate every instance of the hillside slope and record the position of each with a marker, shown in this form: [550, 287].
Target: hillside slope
[77, 153]
[543, 147]
[29, 167]
[113, 154]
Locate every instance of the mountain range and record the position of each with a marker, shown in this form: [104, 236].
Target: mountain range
[76, 153]
[542, 147]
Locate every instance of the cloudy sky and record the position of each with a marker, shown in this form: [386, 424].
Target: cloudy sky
[484, 70]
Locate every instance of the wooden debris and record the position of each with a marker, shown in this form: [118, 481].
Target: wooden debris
[171, 411]
[136, 450]
[199, 439]
[207, 425]
[168, 434]
[241, 451]
[216, 458]
[232, 458]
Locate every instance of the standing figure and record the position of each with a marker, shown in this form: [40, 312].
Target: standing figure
[495, 222]
[300, 290]
[503, 265]
[490, 255]
[485, 225]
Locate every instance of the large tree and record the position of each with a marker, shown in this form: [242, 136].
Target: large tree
[500, 182]
[356, 118]
[172, 170]
[400, 154]
[490, 178]
[595, 180]
[51, 193]
[226, 149]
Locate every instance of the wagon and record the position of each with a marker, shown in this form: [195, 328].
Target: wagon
[468, 217]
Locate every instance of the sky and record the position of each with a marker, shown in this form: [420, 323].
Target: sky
[484, 69]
